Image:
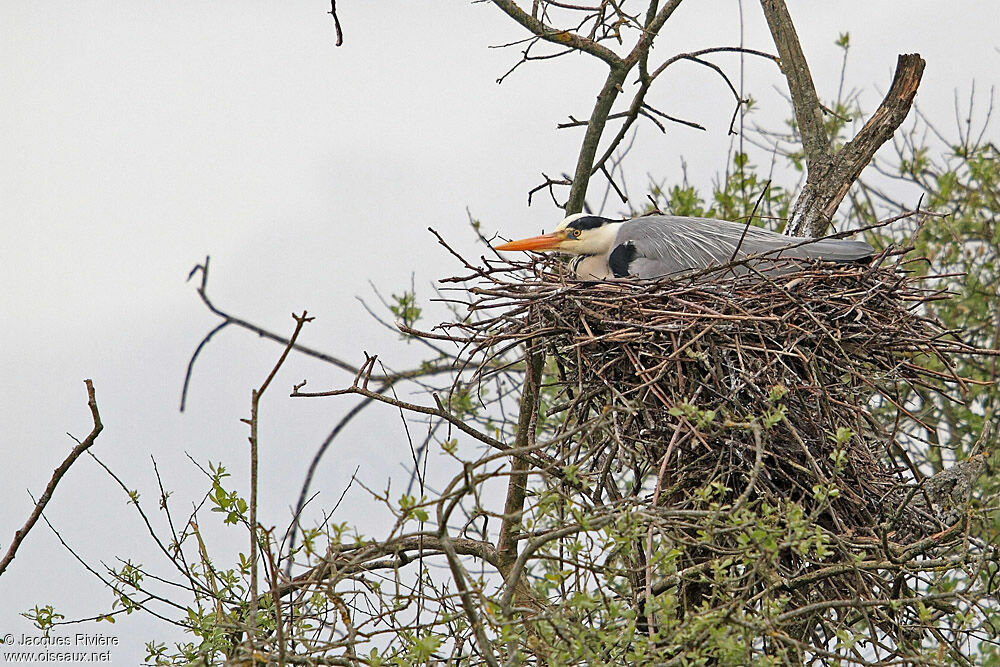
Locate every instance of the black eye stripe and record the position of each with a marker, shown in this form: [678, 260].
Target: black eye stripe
[588, 222]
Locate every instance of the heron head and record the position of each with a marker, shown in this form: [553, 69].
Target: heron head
[579, 234]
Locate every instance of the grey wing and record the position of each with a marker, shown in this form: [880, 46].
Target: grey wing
[661, 246]
[665, 245]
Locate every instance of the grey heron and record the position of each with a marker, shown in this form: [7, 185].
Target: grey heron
[662, 245]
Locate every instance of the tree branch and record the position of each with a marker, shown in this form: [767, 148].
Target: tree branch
[347, 560]
[228, 319]
[556, 36]
[654, 22]
[527, 422]
[606, 100]
[619, 69]
[57, 475]
[524, 437]
[805, 101]
[836, 174]
[830, 175]
[536, 458]
[592, 139]
[253, 422]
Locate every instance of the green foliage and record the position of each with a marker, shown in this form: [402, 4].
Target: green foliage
[128, 580]
[967, 241]
[43, 617]
[405, 307]
[742, 191]
[774, 417]
[701, 418]
[776, 393]
[229, 503]
[409, 508]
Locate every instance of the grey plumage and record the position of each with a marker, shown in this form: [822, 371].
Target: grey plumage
[666, 245]
[661, 245]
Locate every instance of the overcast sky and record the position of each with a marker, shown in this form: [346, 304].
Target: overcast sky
[139, 137]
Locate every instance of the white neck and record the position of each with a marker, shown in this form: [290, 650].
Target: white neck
[602, 240]
[592, 267]
[595, 250]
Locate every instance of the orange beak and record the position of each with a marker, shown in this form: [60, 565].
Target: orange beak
[543, 242]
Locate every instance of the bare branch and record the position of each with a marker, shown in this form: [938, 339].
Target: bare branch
[57, 474]
[253, 422]
[833, 177]
[592, 139]
[336, 22]
[805, 101]
[830, 175]
[518, 484]
[556, 36]
[260, 331]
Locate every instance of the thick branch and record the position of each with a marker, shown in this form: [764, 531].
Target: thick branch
[592, 139]
[43, 500]
[619, 69]
[654, 22]
[527, 422]
[524, 437]
[605, 102]
[831, 175]
[805, 101]
[822, 196]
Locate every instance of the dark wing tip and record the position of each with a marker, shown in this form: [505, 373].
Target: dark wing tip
[621, 259]
[851, 251]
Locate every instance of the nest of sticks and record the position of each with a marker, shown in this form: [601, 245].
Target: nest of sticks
[759, 388]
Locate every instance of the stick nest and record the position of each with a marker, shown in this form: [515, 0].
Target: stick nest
[715, 390]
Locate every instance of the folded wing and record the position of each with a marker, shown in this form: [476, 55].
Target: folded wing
[656, 246]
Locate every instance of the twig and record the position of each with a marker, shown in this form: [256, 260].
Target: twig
[253, 422]
[57, 474]
[336, 22]
[260, 331]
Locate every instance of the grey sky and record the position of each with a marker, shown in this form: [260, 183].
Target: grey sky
[139, 137]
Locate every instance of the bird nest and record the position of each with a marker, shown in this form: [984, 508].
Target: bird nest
[717, 390]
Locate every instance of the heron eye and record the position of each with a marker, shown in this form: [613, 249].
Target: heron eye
[576, 233]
